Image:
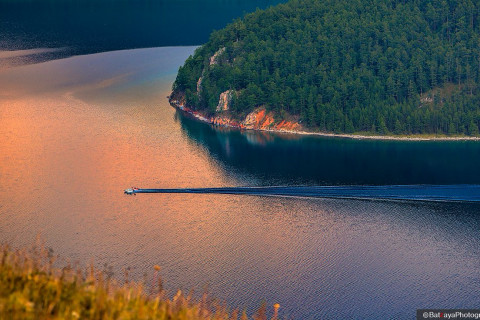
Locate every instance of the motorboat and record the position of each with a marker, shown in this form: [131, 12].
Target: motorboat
[131, 191]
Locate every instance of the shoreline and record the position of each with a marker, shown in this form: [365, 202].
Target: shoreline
[202, 118]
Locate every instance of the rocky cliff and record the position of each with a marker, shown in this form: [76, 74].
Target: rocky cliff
[258, 119]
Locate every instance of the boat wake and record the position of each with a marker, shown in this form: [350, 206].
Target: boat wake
[439, 193]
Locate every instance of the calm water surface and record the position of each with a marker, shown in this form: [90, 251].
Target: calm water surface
[73, 27]
[76, 132]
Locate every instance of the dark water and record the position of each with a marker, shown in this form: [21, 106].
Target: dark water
[308, 160]
[89, 26]
[76, 132]
[423, 193]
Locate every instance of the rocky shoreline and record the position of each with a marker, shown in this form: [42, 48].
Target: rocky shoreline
[261, 120]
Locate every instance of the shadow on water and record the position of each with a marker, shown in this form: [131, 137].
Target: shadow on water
[293, 160]
[92, 26]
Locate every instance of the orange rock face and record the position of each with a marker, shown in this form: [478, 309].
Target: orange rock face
[224, 121]
[259, 119]
[288, 126]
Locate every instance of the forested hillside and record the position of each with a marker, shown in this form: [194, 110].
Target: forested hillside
[379, 66]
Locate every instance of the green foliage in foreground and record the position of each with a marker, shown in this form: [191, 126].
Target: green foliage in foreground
[380, 66]
[30, 288]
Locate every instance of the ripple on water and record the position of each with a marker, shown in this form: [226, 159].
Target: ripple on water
[69, 156]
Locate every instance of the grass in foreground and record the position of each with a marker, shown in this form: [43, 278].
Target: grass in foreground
[32, 288]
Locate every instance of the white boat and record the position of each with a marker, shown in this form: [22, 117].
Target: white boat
[130, 191]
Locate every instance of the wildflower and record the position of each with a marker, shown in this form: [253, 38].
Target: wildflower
[276, 306]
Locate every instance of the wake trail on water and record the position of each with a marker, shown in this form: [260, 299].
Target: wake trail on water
[437, 193]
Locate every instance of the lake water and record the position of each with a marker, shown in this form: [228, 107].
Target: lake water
[76, 132]
[79, 27]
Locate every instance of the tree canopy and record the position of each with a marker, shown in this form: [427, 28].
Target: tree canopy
[380, 66]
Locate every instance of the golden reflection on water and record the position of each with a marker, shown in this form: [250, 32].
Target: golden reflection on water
[57, 145]
[76, 132]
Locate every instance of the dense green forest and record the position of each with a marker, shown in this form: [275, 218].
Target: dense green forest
[380, 66]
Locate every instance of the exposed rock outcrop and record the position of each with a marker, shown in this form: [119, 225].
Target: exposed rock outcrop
[214, 58]
[260, 119]
[199, 85]
[225, 101]
[213, 61]
[225, 121]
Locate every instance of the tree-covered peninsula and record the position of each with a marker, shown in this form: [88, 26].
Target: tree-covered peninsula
[345, 66]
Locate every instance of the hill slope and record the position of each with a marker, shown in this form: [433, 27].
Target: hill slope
[32, 288]
[379, 66]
